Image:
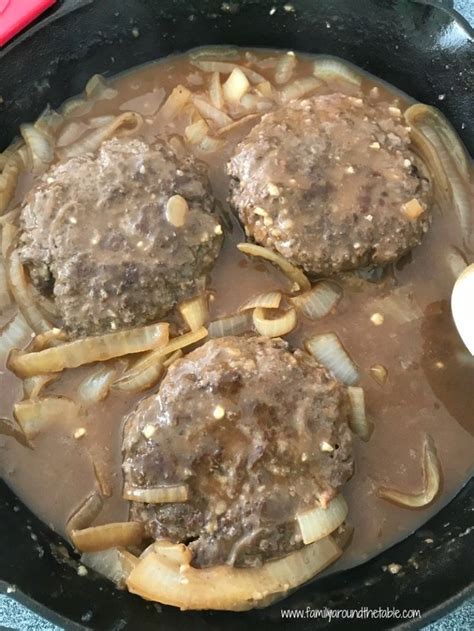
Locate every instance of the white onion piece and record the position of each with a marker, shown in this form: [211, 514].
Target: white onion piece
[175, 103]
[8, 181]
[236, 86]
[319, 522]
[210, 112]
[379, 373]
[140, 379]
[97, 89]
[33, 386]
[232, 325]
[285, 67]
[268, 300]
[329, 351]
[462, 307]
[236, 124]
[22, 293]
[254, 103]
[319, 301]
[265, 89]
[334, 69]
[5, 300]
[209, 144]
[274, 327]
[290, 270]
[124, 125]
[40, 146]
[13, 430]
[114, 563]
[298, 89]
[75, 107]
[169, 361]
[195, 132]
[217, 52]
[36, 415]
[165, 575]
[226, 68]
[49, 121]
[89, 350]
[154, 358]
[156, 494]
[118, 534]
[358, 421]
[215, 91]
[15, 334]
[195, 312]
[96, 386]
[9, 232]
[85, 513]
[53, 337]
[431, 482]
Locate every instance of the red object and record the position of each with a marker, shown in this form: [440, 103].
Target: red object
[15, 15]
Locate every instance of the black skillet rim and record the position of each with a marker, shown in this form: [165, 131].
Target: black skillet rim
[464, 500]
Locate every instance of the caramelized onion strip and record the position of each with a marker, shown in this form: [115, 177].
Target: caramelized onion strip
[276, 326]
[195, 312]
[319, 301]
[85, 513]
[156, 494]
[231, 325]
[118, 534]
[290, 270]
[358, 421]
[329, 351]
[113, 563]
[165, 575]
[431, 482]
[89, 350]
[268, 300]
[320, 522]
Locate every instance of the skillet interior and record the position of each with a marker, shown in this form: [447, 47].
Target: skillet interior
[416, 47]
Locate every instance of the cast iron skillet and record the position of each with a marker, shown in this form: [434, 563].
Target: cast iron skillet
[424, 50]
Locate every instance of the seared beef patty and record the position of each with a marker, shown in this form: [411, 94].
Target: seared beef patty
[258, 433]
[324, 182]
[101, 233]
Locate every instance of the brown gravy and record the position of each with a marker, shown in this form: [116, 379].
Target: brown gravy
[430, 374]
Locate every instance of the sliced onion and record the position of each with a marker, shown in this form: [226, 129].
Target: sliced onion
[319, 301]
[118, 534]
[231, 325]
[236, 86]
[195, 132]
[174, 104]
[165, 575]
[255, 103]
[379, 373]
[49, 121]
[101, 474]
[209, 144]
[33, 386]
[276, 326]
[89, 350]
[22, 293]
[210, 112]
[319, 522]
[236, 124]
[226, 68]
[169, 361]
[452, 160]
[358, 421]
[292, 272]
[298, 89]
[285, 67]
[215, 91]
[5, 300]
[431, 482]
[96, 386]
[114, 563]
[462, 307]
[40, 147]
[75, 107]
[265, 89]
[15, 334]
[156, 494]
[36, 415]
[97, 89]
[124, 125]
[195, 312]
[153, 361]
[268, 300]
[13, 430]
[140, 379]
[86, 513]
[327, 68]
[53, 337]
[9, 233]
[329, 351]
[8, 181]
